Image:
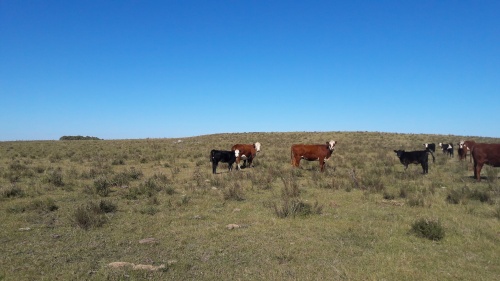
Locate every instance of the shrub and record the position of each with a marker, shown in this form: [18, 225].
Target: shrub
[430, 229]
[101, 186]
[43, 205]
[55, 177]
[234, 192]
[12, 191]
[107, 206]
[295, 207]
[89, 216]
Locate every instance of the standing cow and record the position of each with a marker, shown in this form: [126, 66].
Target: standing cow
[485, 153]
[415, 157]
[467, 146]
[430, 146]
[447, 148]
[247, 152]
[312, 152]
[228, 157]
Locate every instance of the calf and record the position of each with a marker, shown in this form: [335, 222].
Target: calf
[228, 157]
[312, 152]
[430, 146]
[247, 152]
[467, 146]
[415, 157]
[447, 148]
[485, 153]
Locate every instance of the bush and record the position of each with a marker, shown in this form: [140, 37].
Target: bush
[12, 191]
[295, 207]
[89, 216]
[55, 177]
[43, 206]
[234, 192]
[107, 206]
[430, 229]
[101, 186]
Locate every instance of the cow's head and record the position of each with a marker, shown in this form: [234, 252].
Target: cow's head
[257, 146]
[399, 153]
[440, 144]
[426, 145]
[331, 145]
[237, 152]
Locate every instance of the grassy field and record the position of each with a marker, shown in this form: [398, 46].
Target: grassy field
[69, 210]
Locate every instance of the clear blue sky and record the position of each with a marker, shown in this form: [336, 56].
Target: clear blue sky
[153, 69]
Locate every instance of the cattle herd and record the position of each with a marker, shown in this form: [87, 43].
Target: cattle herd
[480, 153]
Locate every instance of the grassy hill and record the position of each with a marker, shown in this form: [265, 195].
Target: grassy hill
[68, 209]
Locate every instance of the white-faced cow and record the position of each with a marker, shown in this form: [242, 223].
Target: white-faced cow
[312, 152]
[247, 152]
[485, 153]
[467, 147]
[415, 157]
[228, 157]
[430, 146]
[447, 148]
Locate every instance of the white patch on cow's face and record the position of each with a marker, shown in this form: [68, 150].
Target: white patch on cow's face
[257, 146]
[426, 145]
[331, 145]
[440, 144]
[237, 152]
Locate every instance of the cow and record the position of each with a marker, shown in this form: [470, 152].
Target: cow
[415, 157]
[430, 146]
[467, 146]
[247, 152]
[447, 148]
[228, 157]
[312, 152]
[485, 153]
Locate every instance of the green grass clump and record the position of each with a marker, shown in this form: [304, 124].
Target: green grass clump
[430, 229]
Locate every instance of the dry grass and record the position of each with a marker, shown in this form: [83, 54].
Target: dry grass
[70, 208]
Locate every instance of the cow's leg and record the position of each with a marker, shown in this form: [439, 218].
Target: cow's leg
[214, 166]
[425, 167]
[477, 171]
[230, 166]
[322, 164]
[238, 159]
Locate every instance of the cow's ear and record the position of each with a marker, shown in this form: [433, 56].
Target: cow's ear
[396, 151]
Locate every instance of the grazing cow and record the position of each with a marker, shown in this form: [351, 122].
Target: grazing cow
[485, 153]
[228, 157]
[312, 152]
[247, 152]
[447, 148]
[415, 157]
[430, 146]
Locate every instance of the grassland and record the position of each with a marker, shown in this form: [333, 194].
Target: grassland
[70, 208]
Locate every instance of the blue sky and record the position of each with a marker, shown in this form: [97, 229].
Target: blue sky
[153, 69]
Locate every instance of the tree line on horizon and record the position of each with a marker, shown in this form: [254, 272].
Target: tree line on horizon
[78, 138]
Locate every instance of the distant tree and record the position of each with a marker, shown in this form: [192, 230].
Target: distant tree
[78, 138]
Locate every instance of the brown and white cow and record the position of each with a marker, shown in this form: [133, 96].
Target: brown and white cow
[247, 152]
[485, 153]
[466, 146]
[312, 152]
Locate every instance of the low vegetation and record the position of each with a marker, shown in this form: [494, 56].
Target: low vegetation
[91, 209]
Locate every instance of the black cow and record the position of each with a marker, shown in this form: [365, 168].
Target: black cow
[430, 146]
[415, 157]
[228, 157]
[447, 148]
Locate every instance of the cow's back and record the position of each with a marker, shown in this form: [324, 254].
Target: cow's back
[245, 149]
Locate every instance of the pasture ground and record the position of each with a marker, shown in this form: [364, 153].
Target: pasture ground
[70, 208]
